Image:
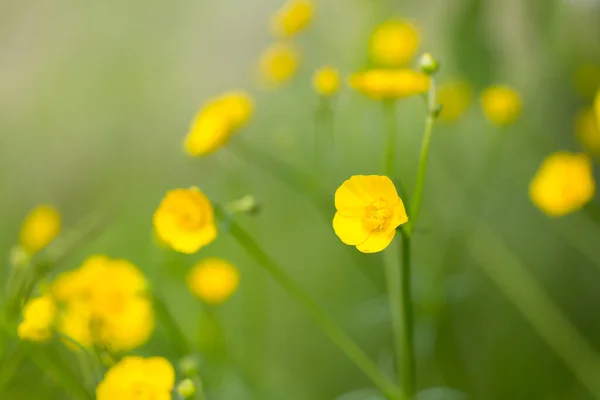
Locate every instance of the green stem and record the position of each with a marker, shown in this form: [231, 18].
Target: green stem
[407, 360]
[324, 133]
[389, 109]
[319, 316]
[175, 333]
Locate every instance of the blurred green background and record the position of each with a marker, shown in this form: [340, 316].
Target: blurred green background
[96, 98]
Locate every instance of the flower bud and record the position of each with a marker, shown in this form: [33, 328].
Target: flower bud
[186, 388]
[428, 64]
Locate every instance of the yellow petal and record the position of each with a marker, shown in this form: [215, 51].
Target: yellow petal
[160, 372]
[350, 230]
[400, 216]
[376, 242]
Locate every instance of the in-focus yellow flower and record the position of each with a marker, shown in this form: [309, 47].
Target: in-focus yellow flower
[394, 43]
[217, 121]
[455, 98]
[292, 18]
[185, 220]
[586, 80]
[138, 378]
[501, 105]
[213, 280]
[368, 212]
[38, 319]
[563, 184]
[390, 83]
[278, 64]
[39, 228]
[588, 130]
[326, 81]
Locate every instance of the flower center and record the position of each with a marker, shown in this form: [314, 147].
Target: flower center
[377, 216]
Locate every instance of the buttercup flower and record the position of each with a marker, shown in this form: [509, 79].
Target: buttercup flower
[38, 319]
[326, 81]
[586, 80]
[394, 43]
[563, 184]
[278, 64]
[455, 98]
[390, 83]
[368, 212]
[217, 121]
[213, 280]
[138, 378]
[185, 220]
[292, 18]
[39, 228]
[501, 105]
[588, 130]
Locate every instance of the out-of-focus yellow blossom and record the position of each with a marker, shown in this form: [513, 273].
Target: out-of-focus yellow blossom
[597, 108]
[390, 83]
[455, 98]
[501, 105]
[217, 121]
[185, 220]
[213, 280]
[38, 319]
[563, 184]
[292, 18]
[588, 130]
[104, 302]
[586, 79]
[39, 228]
[278, 64]
[138, 378]
[326, 81]
[368, 212]
[394, 43]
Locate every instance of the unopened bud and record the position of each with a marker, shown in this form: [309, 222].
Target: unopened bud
[428, 64]
[186, 388]
[188, 366]
[246, 204]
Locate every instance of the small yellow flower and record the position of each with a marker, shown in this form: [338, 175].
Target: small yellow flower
[326, 81]
[292, 18]
[138, 378]
[588, 130]
[39, 228]
[455, 98]
[278, 64]
[586, 80]
[394, 43]
[185, 220]
[563, 184]
[501, 105]
[368, 212]
[38, 319]
[217, 121]
[390, 83]
[213, 280]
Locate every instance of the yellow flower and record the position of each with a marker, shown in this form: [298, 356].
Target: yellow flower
[292, 18]
[278, 64]
[586, 79]
[394, 43]
[368, 212]
[501, 105]
[185, 220]
[217, 121]
[138, 378]
[455, 98]
[39, 228]
[38, 319]
[563, 184]
[588, 130]
[213, 280]
[390, 83]
[326, 81]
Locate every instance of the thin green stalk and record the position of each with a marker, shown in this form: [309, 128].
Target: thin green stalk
[319, 316]
[407, 360]
[178, 338]
[391, 131]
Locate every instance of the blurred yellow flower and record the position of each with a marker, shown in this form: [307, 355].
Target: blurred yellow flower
[586, 79]
[501, 105]
[455, 98]
[597, 108]
[217, 121]
[368, 212]
[326, 81]
[38, 319]
[563, 184]
[185, 220]
[138, 378]
[213, 280]
[588, 130]
[292, 18]
[278, 64]
[394, 43]
[390, 83]
[39, 228]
